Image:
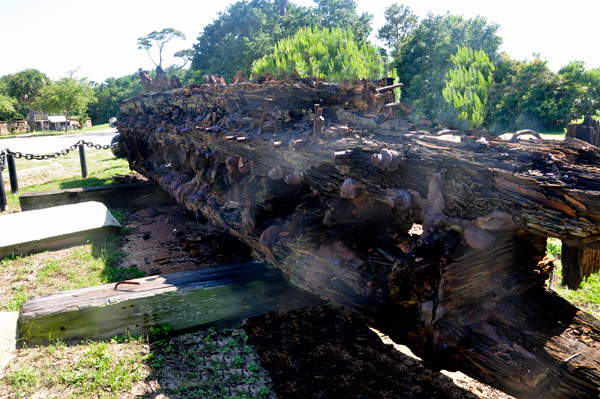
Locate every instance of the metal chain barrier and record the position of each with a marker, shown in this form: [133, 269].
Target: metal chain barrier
[9, 156]
[29, 157]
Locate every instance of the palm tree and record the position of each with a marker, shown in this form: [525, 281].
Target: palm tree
[26, 87]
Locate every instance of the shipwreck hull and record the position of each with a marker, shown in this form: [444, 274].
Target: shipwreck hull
[330, 201]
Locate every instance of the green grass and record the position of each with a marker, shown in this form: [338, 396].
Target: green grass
[78, 267]
[90, 370]
[66, 173]
[587, 297]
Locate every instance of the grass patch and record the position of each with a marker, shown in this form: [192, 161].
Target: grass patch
[66, 173]
[587, 297]
[82, 266]
[106, 369]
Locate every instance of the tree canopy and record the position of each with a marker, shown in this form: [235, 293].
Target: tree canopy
[110, 93]
[322, 52]
[425, 58]
[69, 95]
[159, 39]
[249, 29]
[26, 87]
[400, 22]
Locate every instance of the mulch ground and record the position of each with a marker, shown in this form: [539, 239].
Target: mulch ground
[327, 352]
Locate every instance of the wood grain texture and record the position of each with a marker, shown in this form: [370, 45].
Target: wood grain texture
[467, 294]
[116, 196]
[193, 299]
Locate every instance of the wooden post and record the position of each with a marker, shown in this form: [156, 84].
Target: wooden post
[580, 263]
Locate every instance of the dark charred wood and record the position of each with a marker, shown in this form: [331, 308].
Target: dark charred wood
[467, 294]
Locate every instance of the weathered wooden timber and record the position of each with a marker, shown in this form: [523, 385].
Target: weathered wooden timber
[580, 263]
[114, 196]
[334, 212]
[202, 298]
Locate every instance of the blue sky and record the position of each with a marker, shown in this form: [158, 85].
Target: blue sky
[99, 38]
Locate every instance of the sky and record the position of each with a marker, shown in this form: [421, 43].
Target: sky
[99, 38]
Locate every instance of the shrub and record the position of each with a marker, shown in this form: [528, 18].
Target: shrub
[324, 53]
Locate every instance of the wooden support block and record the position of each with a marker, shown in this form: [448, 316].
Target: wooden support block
[115, 196]
[200, 298]
[55, 228]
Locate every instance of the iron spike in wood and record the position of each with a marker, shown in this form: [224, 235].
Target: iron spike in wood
[273, 144]
[388, 88]
[264, 114]
[295, 144]
[341, 154]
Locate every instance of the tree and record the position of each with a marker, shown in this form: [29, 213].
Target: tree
[6, 101]
[468, 83]
[227, 46]
[26, 86]
[186, 56]
[585, 85]
[528, 95]
[160, 39]
[342, 14]
[400, 22]
[69, 95]
[424, 60]
[321, 52]
[110, 93]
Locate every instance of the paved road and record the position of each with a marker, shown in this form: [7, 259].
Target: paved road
[47, 145]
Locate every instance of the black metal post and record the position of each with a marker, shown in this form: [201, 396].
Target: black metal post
[3, 203]
[12, 173]
[82, 160]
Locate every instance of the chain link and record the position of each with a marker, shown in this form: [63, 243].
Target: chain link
[4, 153]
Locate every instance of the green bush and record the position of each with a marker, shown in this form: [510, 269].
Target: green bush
[467, 84]
[323, 53]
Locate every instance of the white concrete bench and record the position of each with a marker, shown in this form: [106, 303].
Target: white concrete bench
[54, 228]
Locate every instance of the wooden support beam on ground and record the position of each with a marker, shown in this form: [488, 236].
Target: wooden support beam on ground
[115, 196]
[201, 298]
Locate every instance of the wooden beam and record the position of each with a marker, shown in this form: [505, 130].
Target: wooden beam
[115, 196]
[200, 298]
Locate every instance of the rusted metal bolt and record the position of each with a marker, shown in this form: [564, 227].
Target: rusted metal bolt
[295, 144]
[294, 178]
[277, 173]
[387, 159]
[400, 199]
[274, 144]
[341, 154]
[213, 156]
[351, 188]
[244, 165]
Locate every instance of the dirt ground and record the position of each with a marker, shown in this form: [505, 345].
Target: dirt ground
[310, 353]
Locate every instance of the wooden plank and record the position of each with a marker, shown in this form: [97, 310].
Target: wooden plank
[115, 196]
[201, 298]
